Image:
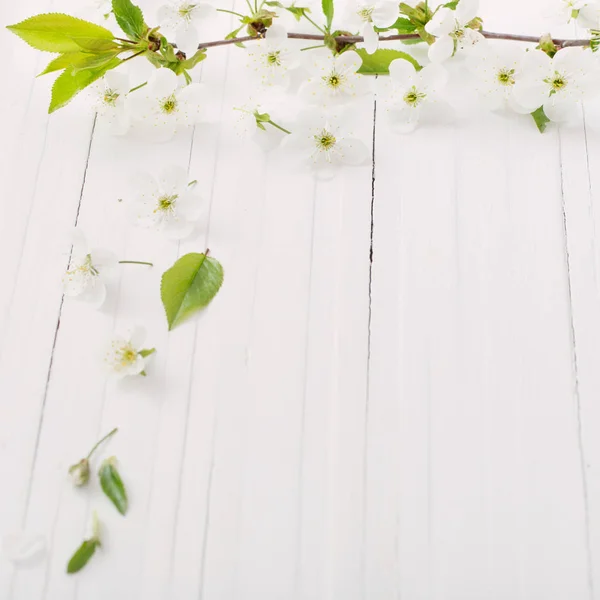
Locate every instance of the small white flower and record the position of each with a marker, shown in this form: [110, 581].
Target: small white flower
[162, 106]
[585, 13]
[365, 15]
[558, 84]
[80, 472]
[450, 29]
[167, 203]
[409, 91]
[274, 57]
[125, 356]
[326, 142]
[181, 19]
[85, 277]
[497, 69]
[109, 96]
[334, 79]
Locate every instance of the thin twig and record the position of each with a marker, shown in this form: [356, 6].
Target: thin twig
[352, 39]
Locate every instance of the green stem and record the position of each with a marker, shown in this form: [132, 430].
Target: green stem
[278, 127]
[250, 6]
[108, 435]
[317, 26]
[230, 12]
[133, 55]
[135, 262]
[138, 87]
[313, 47]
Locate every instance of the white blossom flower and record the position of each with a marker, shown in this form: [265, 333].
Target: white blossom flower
[585, 13]
[85, 277]
[109, 96]
[497, 69]
[558, 84]
[166, 203]
[326, 142]
[408, 91]
[365, 15]
[80, 472]
[181, 18]
[274, 57]
[125, 355]
[450, 29]
[162, 106]
[334, 79]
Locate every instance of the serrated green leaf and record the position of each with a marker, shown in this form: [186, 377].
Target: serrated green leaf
[70, 83]
[64, 61]
[189, 285]
[378, 63]
[82, 555]
[130, 18]
[56, 32]
[540, 118]
[112, 484]
[404, 26]
[328, 11]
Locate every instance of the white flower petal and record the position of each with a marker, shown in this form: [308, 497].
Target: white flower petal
[402, 72]
[466, 10]
[530, 94]
[442, 23]
[162, 83]
[561, 111]
[371, 38]
[385, 14]
[353, 151]
[441, 49]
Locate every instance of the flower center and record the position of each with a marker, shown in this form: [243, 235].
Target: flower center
[274, 58]
[185, 11]
[557, 82]
[413, 97]
[84, 269]
[366, 13]
[334, 80]
[166, 203]
[506, 77]
[324, 140]
[126, 355]
[168, 105]
[110, 97]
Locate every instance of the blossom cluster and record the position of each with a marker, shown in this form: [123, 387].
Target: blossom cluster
[301, 96]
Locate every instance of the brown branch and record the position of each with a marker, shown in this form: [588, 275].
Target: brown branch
[352, 39]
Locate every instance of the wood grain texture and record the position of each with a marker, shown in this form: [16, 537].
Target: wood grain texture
[394, 395]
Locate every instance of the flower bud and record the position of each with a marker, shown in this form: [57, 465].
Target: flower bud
[80, 472]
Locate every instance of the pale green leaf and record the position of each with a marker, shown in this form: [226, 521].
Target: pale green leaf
[130, 18]
[82, 555]
[540, 118]
[112, 484]
[70, 83]
[328, 11]
[378, 63]
[56, 32]
[64, 61]
[189, 285]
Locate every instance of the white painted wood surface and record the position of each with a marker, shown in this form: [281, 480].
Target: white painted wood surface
[422, 425]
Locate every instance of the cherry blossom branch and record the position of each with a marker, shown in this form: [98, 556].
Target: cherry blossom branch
[352, 39]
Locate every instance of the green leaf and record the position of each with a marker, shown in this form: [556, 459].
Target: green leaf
[297, 11]
[56, 32]
[328, 11]
[595, 41]
[70, 83]
[112, 484]
[540, 118]
[189, 285]
[192, 61]
[64, 61]
[147, 352]
[378, 63]
[404, 26]
[130, 18]
[82, 555]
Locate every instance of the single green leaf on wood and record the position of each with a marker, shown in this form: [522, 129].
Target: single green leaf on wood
[69, 83]
[56, 32]
[378, 63]
[82, 555]
[130, 18]
[112, 484]
[189, 285]
[328, 11]
[540, 118]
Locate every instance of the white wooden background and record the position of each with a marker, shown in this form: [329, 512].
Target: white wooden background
[422, 425]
